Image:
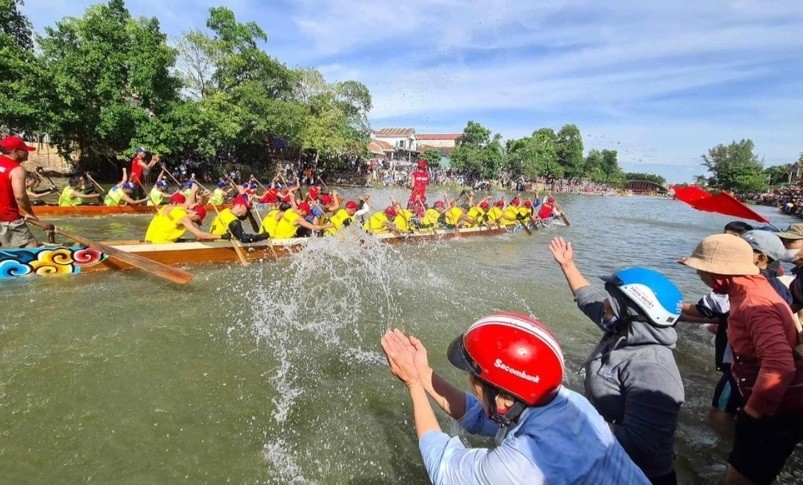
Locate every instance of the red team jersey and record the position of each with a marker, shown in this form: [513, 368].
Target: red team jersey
[9, 210]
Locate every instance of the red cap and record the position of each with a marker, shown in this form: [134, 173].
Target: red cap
[516, 201]
[177, 198]
[199, 209]
[500, 203]
[313, 192]
[422, 164]
[484, 205]
[439, 204]
[304, 207]
[326, 199]
[390, 211]
[351, 205]
[528, 204]
[15, 143]
[241, 201]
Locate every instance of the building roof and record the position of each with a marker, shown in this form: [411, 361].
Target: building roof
[384, 145]
[374, 147]
[438, 136]
[395, 132]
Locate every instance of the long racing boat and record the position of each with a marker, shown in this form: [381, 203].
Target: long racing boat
[86, 210]
[61, 260]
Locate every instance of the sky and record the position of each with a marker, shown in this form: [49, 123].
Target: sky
[661, 82]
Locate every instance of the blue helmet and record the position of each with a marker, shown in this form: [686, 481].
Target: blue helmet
[652, 294]
[161, 183]
[222, 183]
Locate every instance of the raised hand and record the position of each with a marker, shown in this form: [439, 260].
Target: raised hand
[401, 356]
[562, 251]
[421, 359]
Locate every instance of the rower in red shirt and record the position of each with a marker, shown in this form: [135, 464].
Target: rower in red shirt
[14, 233]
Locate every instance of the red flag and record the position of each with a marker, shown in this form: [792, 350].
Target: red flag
[722, 203]
[689, 193]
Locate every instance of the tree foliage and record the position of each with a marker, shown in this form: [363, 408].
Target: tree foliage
[432, 157]
[15, 25]
[478, 154]
[649, 177]
[735, 167]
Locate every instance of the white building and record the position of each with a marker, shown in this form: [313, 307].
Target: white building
[399, 138]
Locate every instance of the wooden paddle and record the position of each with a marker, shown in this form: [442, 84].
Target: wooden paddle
[562, 215]
[238, 248]
[154, 267]
[40, 173]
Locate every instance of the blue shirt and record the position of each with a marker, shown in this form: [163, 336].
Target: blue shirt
[566, 441]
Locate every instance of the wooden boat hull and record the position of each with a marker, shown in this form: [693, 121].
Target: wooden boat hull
[78, 259]
[101, 210]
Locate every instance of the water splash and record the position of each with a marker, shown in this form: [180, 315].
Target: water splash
[320, 315]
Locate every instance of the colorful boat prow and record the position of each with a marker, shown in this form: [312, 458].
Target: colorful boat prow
[46, 261]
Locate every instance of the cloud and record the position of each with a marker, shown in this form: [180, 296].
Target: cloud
[667, 80]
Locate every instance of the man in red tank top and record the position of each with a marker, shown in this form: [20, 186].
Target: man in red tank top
[14, 233]
[419, 181]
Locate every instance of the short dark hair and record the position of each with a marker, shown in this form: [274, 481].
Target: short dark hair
[738, 227]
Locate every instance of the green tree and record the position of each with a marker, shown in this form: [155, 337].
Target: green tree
[478, 154]
[534, 156]
[649, 177]
[735, 167]
[569, 150]
[16, 25]
[109, 73]
[593, 168]
[432, 157]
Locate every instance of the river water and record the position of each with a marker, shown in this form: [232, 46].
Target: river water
[273, 373]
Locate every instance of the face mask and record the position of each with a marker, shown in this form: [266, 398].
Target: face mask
[791, 255]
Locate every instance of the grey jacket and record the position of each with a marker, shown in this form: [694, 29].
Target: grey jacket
[633, 381]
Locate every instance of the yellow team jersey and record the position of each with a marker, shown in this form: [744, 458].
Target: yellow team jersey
[270, 222]
[218, 196]
[453, 216]
[476, 216]
[402, 223]
[155, 197]
[509, 216]
[67, 200]
[113, 196]
[430, 219]
[494, 214]
[287, 225]
[166, 227]
[220, 224]
[339, 221]
[377, 224]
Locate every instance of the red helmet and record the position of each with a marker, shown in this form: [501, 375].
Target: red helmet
[439, 204]
[500, 203]
[422, 164]
[550, 200]
[326, 199]
[177, 198]
[390, 211]
[304, 207]
[312, 193]
[351, 205]
[200, 212]
[514, 353]
[484, 205]
[528, 204]
[515, 202]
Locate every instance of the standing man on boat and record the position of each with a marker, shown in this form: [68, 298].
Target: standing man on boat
[419, 180]
[141, 163]
[14, 232]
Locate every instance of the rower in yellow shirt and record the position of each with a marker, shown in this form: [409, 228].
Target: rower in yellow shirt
[382, 222]
[74, 193]
[342, 218]
[292, 224]
[174, 219]
[495, 212]
[228, 222]
[121, 193]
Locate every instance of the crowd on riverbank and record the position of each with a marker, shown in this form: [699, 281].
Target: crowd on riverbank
[788, 199]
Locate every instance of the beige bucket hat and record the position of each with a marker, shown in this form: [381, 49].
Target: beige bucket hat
[723, 254]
